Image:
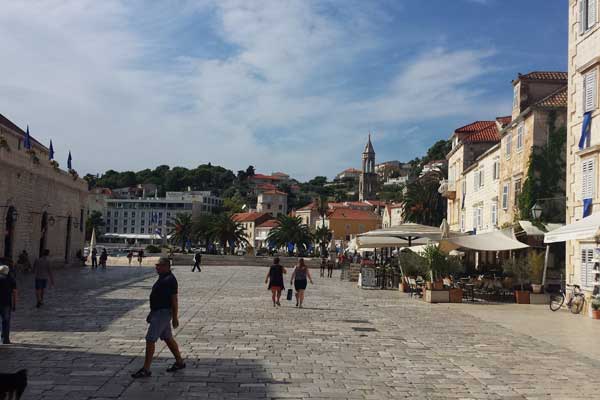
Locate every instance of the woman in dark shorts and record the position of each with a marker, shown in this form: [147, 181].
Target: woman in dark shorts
[275, 279]
[299, 278]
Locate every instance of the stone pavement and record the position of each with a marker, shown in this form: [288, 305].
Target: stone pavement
[346, 344]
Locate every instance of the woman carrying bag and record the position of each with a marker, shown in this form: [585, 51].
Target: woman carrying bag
[299, 279]
[275, 279]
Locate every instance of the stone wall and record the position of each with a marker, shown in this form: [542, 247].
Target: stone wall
[35, 190]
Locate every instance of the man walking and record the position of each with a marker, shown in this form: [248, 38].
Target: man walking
[8, 301]
[197, 260]
[43, 273]
[94, 258]
[163, 313]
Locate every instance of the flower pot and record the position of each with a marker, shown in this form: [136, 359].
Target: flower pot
[456, 295]
[595, 314]
[536, 288]
[438, 285]
[522, 296]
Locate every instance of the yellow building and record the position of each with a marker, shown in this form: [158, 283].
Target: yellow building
[346, 223]
[539, 101]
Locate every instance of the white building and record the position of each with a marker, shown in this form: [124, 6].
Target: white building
[480, 183]
[273, 202]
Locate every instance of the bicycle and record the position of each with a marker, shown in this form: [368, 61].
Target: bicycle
[575, 303]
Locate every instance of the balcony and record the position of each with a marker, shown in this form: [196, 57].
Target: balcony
[448, 189]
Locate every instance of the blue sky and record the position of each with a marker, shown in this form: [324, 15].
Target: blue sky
[291, 86]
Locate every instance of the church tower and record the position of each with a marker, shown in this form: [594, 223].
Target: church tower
[368, 178]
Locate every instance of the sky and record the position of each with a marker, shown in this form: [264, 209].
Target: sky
[283, 85]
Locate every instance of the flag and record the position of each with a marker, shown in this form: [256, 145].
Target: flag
[27, 143]
[587, 207]
[586, 128]
[69, 166]
[51, 153]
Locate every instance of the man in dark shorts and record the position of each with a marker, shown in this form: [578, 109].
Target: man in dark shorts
[43, 274]
[8, 301]
[163, 313]
[197, 260]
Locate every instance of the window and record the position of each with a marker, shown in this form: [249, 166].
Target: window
[587, 267]
[116, 214]
[108, 222]
[142, 230]
[481, 177]
[515, 96]
[133, 214]
[517, 191]
[143, 222]
[587, 15]
[520, 137]
[476, 181]
[587, 179]
[505, 193]
[280, 207]
[494, 214]
[108, 214]
[508, 144]
[496, 174]
[590, 83]
[125, 214]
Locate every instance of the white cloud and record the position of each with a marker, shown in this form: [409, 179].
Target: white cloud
[280, 99]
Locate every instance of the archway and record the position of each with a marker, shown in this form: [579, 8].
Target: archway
[9, 229]
[43, 233]
[68, 244]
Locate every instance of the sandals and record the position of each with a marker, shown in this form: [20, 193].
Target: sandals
[176, 367]
[142, 373]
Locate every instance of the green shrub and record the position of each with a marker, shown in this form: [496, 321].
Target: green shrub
[152, 249]
[596, 304]
[536, 266]
[412, 264]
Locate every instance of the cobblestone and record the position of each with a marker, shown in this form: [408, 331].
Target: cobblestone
[88, 338]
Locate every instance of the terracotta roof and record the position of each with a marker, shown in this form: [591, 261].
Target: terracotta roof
[350, 213]
[11, 125]
[272, 223]
[308, 207]
[545, 76]
[248, 217]
[479, 132]
[377, 203]
[504, 120]
[351, 170]
[266, 186]
[275, 192]
[262, 176]
[554, 100]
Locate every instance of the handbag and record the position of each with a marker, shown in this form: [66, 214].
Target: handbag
[289, 294]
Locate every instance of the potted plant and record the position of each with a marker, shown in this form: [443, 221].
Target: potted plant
[518, 268]
[536, 267]
[596, 308]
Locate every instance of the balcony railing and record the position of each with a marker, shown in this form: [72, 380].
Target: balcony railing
[448, 189]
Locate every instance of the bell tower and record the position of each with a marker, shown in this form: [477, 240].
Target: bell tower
[368, 178]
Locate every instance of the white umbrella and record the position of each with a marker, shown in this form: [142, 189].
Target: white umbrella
[93, 240]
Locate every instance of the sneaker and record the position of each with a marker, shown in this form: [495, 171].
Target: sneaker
[176, 367]
[141, 373]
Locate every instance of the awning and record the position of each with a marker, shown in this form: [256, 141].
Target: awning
[491, 241]
[371, 242]
[410, 232]
[585, 228]
[134, 236]
[532, 230]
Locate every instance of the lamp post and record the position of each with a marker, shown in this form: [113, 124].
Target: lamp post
[536, 211]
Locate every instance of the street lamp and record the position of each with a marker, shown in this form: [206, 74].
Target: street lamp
[536, 211]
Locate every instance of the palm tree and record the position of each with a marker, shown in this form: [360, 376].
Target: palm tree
[422, 202]
[201, 231]
[322, 236]
[322, 208]
[94, 221]
[227, 231]
[181, 229]
[290, 230]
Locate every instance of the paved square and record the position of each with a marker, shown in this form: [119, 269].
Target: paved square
[346, 344]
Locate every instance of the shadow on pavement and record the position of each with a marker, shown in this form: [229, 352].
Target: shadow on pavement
[71, 373]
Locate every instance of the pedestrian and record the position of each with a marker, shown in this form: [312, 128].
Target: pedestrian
[23, 261]
[330, 269]
[323, 264]
[8, 301]
[163, 313]
[103, 258]
[140, 257]
[299, 279]
[275, 279]
[94, 258]
[43, 274]
[197, 260]
[130, 256]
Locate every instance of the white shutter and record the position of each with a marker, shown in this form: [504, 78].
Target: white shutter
[587, 268]
[591, 13]
[582, 16]
[587, 179]
[481, 177]
[589, 91]
[505, 196]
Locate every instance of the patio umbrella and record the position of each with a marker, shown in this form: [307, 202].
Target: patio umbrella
[93, 240]
[411, 231]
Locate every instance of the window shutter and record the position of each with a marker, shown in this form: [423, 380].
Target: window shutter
[481, 177]
[591, 13]
[589, 91]
[582, 16]
[587, 270]
[587, 179]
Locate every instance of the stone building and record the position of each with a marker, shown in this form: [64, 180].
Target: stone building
[367, 184]
[539, 101]
[583, 135]
[41, 206]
